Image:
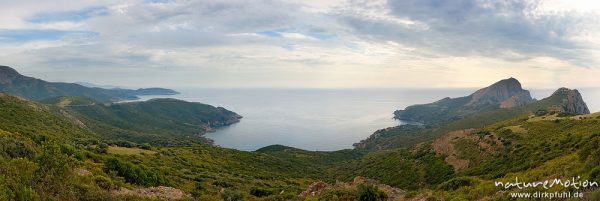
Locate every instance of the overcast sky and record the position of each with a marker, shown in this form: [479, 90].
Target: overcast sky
[305, 43]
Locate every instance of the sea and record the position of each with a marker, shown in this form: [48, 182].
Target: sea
[320, 119]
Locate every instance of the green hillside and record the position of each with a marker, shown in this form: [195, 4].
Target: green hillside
[36, 89]
[66, 149]
[55, 158]
[157, 121]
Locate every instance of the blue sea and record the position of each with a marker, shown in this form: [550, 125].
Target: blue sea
[320, 119]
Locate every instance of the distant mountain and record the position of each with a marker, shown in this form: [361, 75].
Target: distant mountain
[13, 82]
[506, 93]
[157, 121]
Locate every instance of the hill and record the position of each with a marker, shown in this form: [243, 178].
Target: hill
[38, 121]
[563, 101]
[14, 83]
[156, 121]
[506, 93]
[45, 155]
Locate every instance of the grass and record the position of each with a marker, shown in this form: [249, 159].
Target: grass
[129, 151]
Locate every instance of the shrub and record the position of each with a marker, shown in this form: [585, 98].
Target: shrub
[339, 194]
[103, 182]
[261, 192]
[233, 195]
[594, 175]
[223, 184]
[456, 183]
[370, 193]
[541, 112]
[146, 146]
[134, 173]
[13, 148]
[102, 148]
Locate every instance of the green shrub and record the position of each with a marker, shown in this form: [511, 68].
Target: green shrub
[134, 173]
[103, 182]
[102, 148]
[10, 147]
[222, 183]
[541, 112]
[370, 193]
[146, 146]
[261, 192]
[335, 194]
[594, 174]
[233, 195]
[456, 183]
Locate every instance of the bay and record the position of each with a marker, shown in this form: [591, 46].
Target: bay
[320, 119]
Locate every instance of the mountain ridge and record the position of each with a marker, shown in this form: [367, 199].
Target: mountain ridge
[13, 82]
[506, 93]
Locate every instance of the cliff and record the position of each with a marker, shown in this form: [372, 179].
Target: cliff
[505, 93]
[570, 102]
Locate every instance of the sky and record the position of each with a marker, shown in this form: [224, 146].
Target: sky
[304, 43]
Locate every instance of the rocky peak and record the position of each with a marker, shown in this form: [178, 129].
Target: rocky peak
[506, 93]
[572, 102]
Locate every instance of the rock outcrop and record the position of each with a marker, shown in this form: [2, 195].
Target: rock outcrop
[505, 93]
[571, 102]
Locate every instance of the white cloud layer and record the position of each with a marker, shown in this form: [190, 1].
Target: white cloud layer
[268, 43]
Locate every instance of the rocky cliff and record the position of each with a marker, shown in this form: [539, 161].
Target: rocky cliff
[571, 102]
[505, 93]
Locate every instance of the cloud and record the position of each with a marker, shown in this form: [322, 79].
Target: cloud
[264, 43]
[508, 29]
[72, 16]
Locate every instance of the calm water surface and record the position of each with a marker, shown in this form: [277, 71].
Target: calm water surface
[319, 119]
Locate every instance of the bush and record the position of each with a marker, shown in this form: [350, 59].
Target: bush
[541, 112]
[233, 195]
[456, 183]
[146, 146]
[13, 148]
[103, 182]
[102, 148]
[261, 192]
[134, 173]
[339, 194]
[223, 184]
[594, 175]
[54, 173]
[370, 193]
